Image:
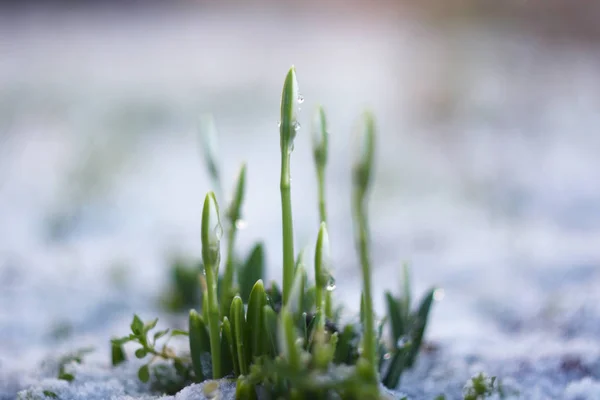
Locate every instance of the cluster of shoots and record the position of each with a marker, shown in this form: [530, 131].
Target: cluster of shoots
[285, 340]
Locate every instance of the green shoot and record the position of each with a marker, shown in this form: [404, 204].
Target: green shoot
[322, 273]
[76, 357]
[211, 254]
[139, 334]
[210, 150]
[287, 130]
[234, 218]
[320, 144]
[362, 170]
[320, 139]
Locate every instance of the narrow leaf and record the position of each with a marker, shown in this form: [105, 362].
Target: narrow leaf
[232, 345]
[117, 354]
[395, 314]
[258, 299]
[238, 326]
[252, 270]
[199, 344]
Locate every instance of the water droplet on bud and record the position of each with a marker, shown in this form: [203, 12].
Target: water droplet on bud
[300, 99]
[439, 294]
[241, 224]
[330, 284]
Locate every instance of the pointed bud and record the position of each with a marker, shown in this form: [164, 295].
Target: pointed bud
[323, 258]
[234, 212]
[210, 146]
[211, 233]
[289, 117]
[364, 152]
[320, 137]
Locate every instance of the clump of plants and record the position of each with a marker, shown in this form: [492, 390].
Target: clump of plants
[284, 340]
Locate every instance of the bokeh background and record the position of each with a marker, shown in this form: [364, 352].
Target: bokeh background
[487, 160]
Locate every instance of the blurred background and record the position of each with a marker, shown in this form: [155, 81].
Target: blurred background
[487, 165]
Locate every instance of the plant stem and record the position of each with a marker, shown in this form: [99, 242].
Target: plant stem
[287, 130]
[227, 283]
[323, 218]
[321, 190]
[211, 236]
[288, 229]
[234, 216]
[362, 237]
[213, 322]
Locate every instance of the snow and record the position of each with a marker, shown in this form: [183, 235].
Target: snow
[498, 205]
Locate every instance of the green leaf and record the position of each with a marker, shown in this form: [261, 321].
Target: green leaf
[144, 373]
[121, 341]
[227, 362]
[244, 390]
[346, 352]
[179, 332]
[199, 344]
[137, 326]
[252, 270]
[397, 364]
[270, 328]
[51, 394]
[180, 368]
[395, 314]
[117, 353]
[160, 334]
[150, 325]
[420, 325]
[141, 353]
[274, 296]
[310, 299]
[238, 327]
[227, 335]
[288, 337]
[254, 331]
[66, 376]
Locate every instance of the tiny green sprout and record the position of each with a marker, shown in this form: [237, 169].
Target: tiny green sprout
[320, 139]
[322, 272]
[362, 168]
[287, 129]
[480, 387]
[139, 334]
[234, 216]
[211, 254]
[50, 393]
[210, 149]
[75, 357]
[364, 153]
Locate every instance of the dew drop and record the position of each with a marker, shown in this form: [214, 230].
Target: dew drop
[402, 342]
[279, 124]
[300, 99]
[241, 224]
[387, 356]
[330, 284]
[297, 126]
[439, 294]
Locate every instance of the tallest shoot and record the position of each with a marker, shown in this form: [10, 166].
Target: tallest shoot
[287, 130]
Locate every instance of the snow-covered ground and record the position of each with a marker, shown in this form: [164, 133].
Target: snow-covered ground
[487, 183]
